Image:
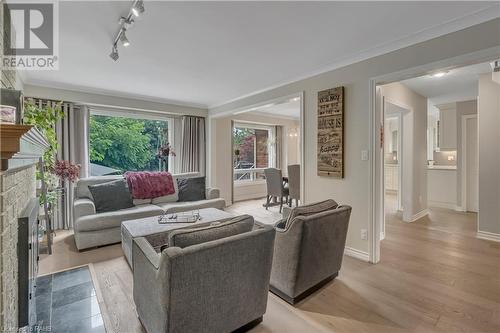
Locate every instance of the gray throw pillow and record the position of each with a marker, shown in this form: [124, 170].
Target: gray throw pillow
[111, 196]
[191, 189]
[216, 230]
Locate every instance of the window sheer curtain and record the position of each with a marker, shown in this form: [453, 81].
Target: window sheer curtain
[192, 157]
[73, 145]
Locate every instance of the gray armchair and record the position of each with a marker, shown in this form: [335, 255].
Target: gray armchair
[275, 186]
[308, 249]
[294, 183]
[209, 279]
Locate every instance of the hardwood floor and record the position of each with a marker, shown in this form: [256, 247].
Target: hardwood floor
[434, 276]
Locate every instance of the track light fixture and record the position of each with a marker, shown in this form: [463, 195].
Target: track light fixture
[138, 7]
[126, 22]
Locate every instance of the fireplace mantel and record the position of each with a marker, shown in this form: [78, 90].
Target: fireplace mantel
[20, 145]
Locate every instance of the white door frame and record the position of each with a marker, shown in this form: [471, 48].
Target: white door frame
[463, 174]
[375, 174]
[399, 115]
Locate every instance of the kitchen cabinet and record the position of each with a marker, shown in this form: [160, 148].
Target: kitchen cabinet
[442, 186]
[447, 128]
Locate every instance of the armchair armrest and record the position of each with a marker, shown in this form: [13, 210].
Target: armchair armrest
[212, 193]
[143, 249]
[83, 207]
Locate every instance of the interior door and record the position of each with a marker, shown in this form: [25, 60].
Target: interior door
[472, 166]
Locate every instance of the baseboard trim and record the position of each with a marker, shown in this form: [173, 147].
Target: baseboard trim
[417, 216]
[488, 236]
[361, 255]
[446, 205]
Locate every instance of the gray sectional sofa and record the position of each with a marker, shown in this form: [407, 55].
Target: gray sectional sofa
[95, 229]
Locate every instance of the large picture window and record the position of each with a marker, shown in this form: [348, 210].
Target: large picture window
[253, 151]
[121, 143]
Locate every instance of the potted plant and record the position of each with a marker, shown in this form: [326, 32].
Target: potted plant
[164, 151]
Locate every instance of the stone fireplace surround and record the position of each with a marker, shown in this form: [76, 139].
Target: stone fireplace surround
[17, 187]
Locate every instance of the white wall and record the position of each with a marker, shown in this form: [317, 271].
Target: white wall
[414, 192]
[489, 155]
[463, 108]
[354, 189]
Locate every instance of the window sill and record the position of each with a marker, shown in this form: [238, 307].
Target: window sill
[244, 183]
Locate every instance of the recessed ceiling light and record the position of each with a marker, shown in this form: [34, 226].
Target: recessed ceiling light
[439, 74]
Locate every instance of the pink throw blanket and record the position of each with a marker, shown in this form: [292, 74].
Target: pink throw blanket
[149, 185]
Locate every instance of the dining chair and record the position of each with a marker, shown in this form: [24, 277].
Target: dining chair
[275, 186]
[294, 183]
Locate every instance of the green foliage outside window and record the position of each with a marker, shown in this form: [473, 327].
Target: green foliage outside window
[126, 144]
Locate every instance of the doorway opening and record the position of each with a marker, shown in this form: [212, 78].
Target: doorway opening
[426, 165]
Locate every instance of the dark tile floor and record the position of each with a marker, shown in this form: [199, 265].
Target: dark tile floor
[66, 302]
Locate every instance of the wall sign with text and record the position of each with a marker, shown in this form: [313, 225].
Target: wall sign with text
[331, 132]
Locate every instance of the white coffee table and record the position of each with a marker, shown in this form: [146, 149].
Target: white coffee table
[150, 226]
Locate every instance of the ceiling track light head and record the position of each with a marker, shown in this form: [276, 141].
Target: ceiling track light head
[114, 53]
[138, 7]
[124, 39]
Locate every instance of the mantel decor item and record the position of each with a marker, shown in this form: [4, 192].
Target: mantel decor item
[331, 132]
[11, 106]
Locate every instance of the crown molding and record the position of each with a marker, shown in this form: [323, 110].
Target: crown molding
[110, 93]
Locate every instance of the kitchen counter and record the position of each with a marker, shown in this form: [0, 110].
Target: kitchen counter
[442, 167]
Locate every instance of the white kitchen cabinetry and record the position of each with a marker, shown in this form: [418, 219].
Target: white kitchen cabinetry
[442, 187]
[391, 177]
[447, 126]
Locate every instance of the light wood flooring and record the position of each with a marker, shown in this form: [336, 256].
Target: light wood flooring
[434, 276]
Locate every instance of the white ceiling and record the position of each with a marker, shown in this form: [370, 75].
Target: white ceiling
[207, 53]
[460, 84]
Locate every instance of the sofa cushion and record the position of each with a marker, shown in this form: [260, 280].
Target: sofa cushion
[111, 196]
[114, 219]
[138, 202]
[311, 209]
[176, 207]
[216, 230]
[191, 189]
[82, 186]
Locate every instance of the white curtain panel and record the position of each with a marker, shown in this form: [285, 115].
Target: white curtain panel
[192, 157]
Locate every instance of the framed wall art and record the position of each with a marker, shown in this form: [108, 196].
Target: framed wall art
[331, 132]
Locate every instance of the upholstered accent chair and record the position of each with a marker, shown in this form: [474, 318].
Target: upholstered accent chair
[308, 249]
[294, 183]
[214, 278]
[275, 186]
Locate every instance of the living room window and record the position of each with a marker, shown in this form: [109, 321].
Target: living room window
[121, 142]
[253, 151]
